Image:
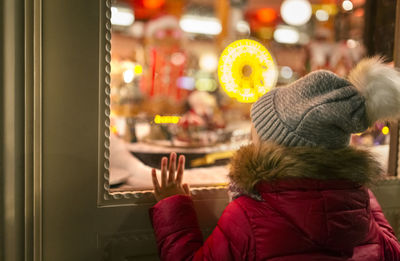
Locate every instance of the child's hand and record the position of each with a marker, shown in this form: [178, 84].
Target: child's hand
[170, 185]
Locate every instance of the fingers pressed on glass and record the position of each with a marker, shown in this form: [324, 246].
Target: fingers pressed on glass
[186, 188]
[172, 167]
[181, 167]
[164, 163]
[155, 180]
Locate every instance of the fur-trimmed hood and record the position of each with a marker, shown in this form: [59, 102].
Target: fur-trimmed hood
[271, 162]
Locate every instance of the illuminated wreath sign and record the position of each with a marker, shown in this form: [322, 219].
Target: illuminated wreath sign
[246, 70]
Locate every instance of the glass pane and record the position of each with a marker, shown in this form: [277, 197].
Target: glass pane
[165, 92]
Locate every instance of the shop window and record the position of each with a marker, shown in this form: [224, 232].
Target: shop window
[165, 92]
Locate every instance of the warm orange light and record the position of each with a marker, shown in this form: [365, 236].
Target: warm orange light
[266, 15]
[358, 2]
[331, 9]
[153, 4]
[359, 13]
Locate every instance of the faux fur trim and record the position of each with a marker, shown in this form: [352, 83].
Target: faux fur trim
[270, 162]
[380, 85]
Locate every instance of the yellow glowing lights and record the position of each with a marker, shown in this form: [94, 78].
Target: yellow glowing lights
[246, 70]
[330, 9]
[385, 130]
[114, 129]
[138, 69]
[158, 119]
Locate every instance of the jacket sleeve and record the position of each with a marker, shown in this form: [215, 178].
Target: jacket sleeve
[387, 238]
[179, 237]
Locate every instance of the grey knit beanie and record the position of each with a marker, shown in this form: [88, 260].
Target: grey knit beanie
[322, 109]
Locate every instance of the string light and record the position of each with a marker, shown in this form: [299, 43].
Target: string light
[296, 12]
[347, 5]
[286, 34]
[138, 69]
[322, 15]
[208, 62]
[200, 24]
[128, 75]
[122, 16]
[158, 119]
[385, 130]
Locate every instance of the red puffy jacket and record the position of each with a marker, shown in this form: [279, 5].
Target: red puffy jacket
[307, 204]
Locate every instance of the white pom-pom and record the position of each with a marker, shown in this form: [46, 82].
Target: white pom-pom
[380, 85]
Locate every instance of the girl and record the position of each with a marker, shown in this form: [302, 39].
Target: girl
[300, 191]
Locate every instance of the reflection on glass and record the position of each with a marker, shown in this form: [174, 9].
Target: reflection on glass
[165, 91]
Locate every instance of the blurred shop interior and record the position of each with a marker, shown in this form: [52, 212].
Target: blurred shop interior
[165, 91]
